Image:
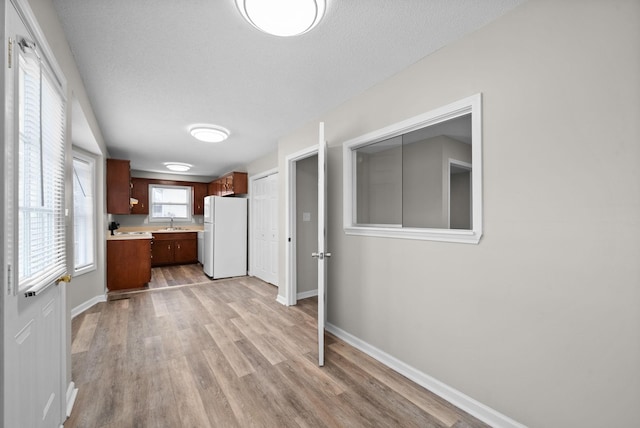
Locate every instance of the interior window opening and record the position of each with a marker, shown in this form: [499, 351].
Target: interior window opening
[419, 179]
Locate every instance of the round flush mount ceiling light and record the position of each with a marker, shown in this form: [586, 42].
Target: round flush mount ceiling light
[282, 18]
[209, 133]
[177, 166]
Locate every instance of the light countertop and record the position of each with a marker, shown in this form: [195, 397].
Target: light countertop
[129, 235]
[145, 232]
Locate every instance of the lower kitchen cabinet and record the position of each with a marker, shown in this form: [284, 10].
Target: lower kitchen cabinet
[128, 263]
[174, 248]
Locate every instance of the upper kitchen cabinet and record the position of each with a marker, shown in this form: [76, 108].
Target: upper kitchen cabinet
[234, 183]
[118, 186]
[199, 192]
[140, 191]
[213, 188]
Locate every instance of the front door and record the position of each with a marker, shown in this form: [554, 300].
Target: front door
[33, 242]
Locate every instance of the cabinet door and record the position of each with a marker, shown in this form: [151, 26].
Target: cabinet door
[128, 263]
[161, 252]
[118, 186]
[186, 251]
[140, 191]
[227, 185]
[240, 183]
[212, 188]
[199, 192]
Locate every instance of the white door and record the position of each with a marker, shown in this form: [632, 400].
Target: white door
[33, 211]
[322, 255]
[264, 222]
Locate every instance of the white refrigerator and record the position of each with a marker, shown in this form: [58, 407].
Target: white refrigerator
[225, 236]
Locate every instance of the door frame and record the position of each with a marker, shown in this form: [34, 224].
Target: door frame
[252, 179]
[468, 166]
[290, 289]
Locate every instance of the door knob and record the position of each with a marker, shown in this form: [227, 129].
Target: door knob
[327, 255]
[64, 278]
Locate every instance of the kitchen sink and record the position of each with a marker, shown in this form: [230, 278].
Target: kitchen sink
[174, 228]
[131, 233]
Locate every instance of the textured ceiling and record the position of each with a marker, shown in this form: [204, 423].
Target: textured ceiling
[154, 67]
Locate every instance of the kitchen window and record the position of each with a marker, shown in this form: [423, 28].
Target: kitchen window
[418, 179]
[170, 202]
[84, 208]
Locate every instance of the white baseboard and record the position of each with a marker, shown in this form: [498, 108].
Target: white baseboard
[86, 305]
[305, 294]
[282, 300]
[72, 393]
[452, 395]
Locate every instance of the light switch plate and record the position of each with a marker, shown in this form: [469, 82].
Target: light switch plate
[306, 216]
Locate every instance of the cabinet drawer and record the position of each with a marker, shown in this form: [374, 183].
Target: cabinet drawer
[174, 236]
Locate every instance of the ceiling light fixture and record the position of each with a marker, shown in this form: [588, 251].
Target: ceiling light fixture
[282, 18]
[177, 166]
[209, 133]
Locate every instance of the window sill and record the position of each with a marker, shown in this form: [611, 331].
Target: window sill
[441, 235]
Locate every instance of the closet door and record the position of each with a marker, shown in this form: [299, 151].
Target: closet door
[265, 228]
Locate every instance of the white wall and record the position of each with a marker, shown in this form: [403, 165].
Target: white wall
[541, 320]
[263, 164]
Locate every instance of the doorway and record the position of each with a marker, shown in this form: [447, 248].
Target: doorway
[460, 195]
[302, 225]
[305, 207]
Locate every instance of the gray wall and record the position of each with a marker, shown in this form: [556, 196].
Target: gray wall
[379, 181]
[306, 231]
[422, 184]
[540, 320]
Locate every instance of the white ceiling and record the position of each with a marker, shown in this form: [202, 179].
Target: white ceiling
[154, 67]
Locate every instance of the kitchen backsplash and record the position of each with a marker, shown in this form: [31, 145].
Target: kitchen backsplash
[143, 220]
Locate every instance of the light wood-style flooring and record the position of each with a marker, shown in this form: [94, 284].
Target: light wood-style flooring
[169, 276]
[226, 354]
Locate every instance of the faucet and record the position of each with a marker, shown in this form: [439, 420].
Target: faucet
[171, 223]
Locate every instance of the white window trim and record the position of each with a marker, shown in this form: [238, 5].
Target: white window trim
[189, 218]
[473, 105]
[89, 268]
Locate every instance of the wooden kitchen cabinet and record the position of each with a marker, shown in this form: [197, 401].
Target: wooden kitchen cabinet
[174, 248]
[140, 191]
[161, 251]
[128, 263]
[118, 186]
[186, 250]
[214, 188]
[234, 183]
[199, 193]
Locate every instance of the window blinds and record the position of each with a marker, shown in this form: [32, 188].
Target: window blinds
[41, 176]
